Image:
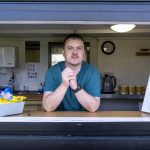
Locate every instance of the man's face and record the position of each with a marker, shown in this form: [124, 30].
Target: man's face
[74, 51]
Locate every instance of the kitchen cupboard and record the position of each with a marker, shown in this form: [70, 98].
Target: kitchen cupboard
[119, 102]
[8, 56]
[33, 102]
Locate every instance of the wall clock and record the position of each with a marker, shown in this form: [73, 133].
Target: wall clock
[108, 47]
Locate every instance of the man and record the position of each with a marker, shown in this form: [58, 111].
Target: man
[72, 85]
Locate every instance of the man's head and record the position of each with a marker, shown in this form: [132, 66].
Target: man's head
[73, 36]
[73, 51]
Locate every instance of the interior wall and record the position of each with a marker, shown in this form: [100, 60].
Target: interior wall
[21, 78]
[128, 68]
[123, 63]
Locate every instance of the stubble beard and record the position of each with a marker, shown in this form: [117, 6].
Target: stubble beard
[73, 64]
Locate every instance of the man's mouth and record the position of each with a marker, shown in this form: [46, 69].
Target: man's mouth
[75, 56]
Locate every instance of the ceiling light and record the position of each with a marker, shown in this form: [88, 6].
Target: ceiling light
[122, 27]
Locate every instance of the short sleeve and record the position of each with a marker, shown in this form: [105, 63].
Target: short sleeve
[93, 86]
[49, 84]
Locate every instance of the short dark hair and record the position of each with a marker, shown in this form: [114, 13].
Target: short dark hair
[73, 36]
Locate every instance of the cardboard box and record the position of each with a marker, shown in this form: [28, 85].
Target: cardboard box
[11, 108]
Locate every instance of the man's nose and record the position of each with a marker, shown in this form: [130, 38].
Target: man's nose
[74, 50]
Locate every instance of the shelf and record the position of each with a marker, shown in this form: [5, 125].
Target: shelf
[142, 53]
[121, 96]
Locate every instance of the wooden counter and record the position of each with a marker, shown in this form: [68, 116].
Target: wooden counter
[86, 114]
[38, 132]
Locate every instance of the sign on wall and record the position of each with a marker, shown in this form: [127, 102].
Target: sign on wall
[32, 70]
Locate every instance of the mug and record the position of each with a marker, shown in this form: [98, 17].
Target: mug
[138, 89]
[123, 89]
[143, 89]
[131, 89]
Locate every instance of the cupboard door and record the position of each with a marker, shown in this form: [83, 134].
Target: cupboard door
[7, 56]
[32, 52]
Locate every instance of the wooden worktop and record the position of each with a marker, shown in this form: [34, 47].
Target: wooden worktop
[87, 114]
[32, 96]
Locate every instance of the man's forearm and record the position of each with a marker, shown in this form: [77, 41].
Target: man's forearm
[89, 102]
[52, 100]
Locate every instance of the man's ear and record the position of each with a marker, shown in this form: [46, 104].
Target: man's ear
[84, 56]
[63, 52]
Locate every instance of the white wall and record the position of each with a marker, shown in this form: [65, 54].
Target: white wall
[126, 66]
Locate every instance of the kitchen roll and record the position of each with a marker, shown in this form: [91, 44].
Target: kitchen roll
[146, 102]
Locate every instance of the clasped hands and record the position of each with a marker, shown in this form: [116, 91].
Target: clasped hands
[69, 78]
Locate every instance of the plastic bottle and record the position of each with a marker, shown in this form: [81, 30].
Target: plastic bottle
[11, 85]
[6, 93]
[40, 89]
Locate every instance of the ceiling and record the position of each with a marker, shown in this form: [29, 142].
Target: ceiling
[44, 30]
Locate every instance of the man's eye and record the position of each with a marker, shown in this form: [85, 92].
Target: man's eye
[69, 48]
[79, 48]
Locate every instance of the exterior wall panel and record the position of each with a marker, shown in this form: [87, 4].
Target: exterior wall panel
[76, 11]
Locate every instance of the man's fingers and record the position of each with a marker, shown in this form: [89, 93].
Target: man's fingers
[69, 71]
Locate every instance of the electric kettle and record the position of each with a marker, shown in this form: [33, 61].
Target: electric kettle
[108, 84]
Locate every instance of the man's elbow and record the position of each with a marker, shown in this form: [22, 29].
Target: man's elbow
[95, 107]
[47, 107]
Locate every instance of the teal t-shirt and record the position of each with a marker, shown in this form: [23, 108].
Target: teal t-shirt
[88, 78]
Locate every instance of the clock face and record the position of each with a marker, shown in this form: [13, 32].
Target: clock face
[108, 47]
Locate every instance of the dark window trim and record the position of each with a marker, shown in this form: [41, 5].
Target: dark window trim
[104, 12]
[75, 1]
